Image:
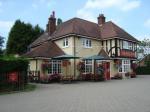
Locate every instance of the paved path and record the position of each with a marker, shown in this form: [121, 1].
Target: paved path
[128, 95]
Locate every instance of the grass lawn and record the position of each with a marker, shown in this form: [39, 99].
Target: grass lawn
[27, 88]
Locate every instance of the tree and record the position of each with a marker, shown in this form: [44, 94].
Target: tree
[20, 36]
[1, 44]
[144, 47]
[59, 21]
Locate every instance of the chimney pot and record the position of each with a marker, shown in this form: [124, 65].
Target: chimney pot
[101, 19]
[53, 13]
[51, 26]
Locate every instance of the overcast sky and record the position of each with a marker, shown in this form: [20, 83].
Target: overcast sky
[131, 15]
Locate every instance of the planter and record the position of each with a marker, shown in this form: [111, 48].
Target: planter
[54, 78]
[117, 76]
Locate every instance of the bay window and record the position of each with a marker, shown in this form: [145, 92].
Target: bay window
[88, 66]
[55, 67]
[125, 66]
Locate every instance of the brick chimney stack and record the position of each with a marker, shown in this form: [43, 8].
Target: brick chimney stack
[101, 19]
[51, 26]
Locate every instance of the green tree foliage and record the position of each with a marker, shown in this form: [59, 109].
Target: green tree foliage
[59, 21]
[1, 44]
[144, 47]
[21, 35]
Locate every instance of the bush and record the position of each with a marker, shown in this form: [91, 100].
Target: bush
[133, 75]
[13, 73]
[117, 76]
[86, 77]
[98, 77]
[54, 78]
[127, 74]
[143, 70]
[10, 64]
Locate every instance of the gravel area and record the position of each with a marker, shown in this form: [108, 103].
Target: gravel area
[127, 95]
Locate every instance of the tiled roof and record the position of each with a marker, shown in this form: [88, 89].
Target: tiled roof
[44, 46]
[111, 30]
[39, 40]
[77, 26]
[103, 54]
[47, 50]
[86, 28]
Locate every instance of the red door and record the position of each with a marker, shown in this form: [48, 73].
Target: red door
[107, 70]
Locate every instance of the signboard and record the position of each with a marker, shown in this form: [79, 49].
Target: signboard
[13, 77]
[126, 53]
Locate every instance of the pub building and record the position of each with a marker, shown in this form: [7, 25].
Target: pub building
[78, 47]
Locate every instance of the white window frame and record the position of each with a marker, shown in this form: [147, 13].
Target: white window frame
[88, 66]
[65, 42]
[87, 43]
[125, 66]
[125, 45]
[57, 64]
[130, 45]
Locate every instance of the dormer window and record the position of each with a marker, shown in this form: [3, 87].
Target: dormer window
[86, 43]
[65, 42]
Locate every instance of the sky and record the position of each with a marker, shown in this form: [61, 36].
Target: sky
[131, 15]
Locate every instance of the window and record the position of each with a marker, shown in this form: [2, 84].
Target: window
[86, 43]
[125, 66]
[88, 66]
[65, 42]
[55, 67]
[130, 45]
[125, 45]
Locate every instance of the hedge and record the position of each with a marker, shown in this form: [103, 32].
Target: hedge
[9, 64]
[143, 70]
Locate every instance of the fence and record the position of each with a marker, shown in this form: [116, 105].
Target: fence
[13, 81]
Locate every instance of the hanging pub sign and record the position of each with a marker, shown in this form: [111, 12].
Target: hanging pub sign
[13, 77]
[126, 53]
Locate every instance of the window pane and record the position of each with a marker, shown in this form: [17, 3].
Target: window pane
[88, 66]
[63, 42]
[89, 43]
[66, 41]
[55, 67]
[125, 67]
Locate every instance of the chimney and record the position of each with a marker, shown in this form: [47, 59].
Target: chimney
[51, 26]
[101, 19]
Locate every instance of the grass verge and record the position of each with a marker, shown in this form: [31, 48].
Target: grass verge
[27, 88]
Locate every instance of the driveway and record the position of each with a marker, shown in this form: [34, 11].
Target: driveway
[127, 95]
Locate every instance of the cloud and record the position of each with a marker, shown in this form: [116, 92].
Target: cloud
[131, 5]
[87, 11]
[86, 15]
[147, 23]
[37, 4]
[124, 5]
